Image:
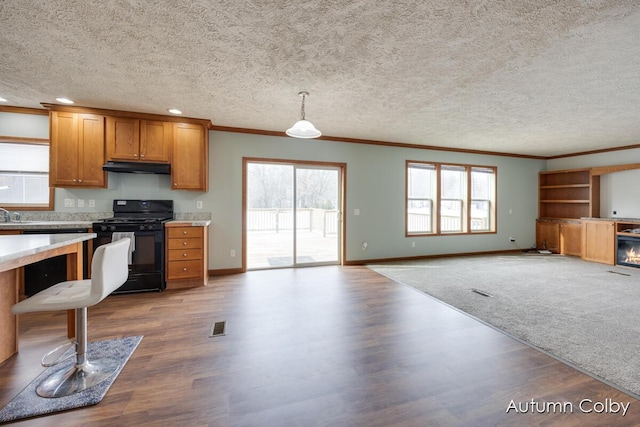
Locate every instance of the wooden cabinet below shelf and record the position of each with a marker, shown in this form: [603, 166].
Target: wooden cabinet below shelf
[561, 237]
[548, 235]
[571, 239]
[598, 241]
[187, 263]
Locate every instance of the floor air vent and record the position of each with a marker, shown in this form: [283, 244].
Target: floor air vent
[479, 292]
[617, 272]
[218, 329]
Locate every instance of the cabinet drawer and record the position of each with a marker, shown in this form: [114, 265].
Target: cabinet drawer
[184, 269]
[185, 254]
[195, 243]
[179, 232]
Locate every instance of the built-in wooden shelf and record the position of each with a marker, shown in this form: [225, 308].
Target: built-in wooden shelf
[569, 194]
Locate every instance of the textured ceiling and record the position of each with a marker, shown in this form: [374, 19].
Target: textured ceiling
[537, 77]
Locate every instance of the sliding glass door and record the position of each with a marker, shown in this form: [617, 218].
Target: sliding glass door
[292, 214]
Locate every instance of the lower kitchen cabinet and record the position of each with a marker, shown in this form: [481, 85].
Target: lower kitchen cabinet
[187, 255]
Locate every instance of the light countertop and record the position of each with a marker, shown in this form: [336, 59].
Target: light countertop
[17, 246]
[189, 223]
[43, 225]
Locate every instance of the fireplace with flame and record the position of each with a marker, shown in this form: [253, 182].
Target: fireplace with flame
[628, 252]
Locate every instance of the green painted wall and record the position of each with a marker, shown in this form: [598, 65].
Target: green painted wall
[374, 185]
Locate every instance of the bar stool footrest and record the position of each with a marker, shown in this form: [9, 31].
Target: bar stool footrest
[66, 346]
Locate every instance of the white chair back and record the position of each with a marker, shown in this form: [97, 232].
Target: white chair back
[109, 268]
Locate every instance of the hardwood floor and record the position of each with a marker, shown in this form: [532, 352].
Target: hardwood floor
[326, 346]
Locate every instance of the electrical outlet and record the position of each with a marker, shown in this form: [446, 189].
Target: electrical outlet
[92, 203]
[81, 203]
[413, 244]
[232, 253]
[198, 204]
[69, 203]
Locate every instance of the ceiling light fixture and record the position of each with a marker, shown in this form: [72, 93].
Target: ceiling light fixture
[303, 128]
[64, 100]
[174, 111]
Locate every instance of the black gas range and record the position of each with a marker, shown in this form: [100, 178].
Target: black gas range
[143, 222]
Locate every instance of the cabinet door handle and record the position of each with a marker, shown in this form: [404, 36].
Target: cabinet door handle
[184, 254]
[79, 180]
[141, 155]
[184, 269]
[184, 243]
[184, 232]
[75, 180]
[135, 154]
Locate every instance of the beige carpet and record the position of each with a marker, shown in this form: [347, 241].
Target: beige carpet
[587, 314]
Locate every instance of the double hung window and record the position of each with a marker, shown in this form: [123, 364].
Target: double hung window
[449, 198]
[24, 176]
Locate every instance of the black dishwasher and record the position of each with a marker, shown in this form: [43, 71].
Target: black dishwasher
[46, 273]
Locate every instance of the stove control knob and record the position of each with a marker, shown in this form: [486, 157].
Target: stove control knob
[142, 227]
[103, 227]
[112, 228]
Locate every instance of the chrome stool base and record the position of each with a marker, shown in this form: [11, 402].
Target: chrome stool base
[78, 378]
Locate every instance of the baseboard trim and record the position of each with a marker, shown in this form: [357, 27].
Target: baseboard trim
[225, 271]
[378, 260]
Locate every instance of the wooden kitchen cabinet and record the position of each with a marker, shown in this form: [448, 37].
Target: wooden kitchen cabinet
[190, 157]
[571, 238]
[76, 150]
[561, 237]
[187, 255]
[598, 241]
[130, 139]
[548, 235]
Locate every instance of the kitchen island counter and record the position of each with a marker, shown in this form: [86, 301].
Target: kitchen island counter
[19, 250]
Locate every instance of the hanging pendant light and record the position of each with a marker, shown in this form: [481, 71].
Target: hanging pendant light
[303, 128]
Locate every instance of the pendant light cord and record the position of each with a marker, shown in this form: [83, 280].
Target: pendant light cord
[302, 108]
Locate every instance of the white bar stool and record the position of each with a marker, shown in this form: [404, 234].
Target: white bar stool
[109, 271]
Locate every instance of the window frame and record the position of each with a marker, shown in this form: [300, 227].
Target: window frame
[467, 201]
[28, 207]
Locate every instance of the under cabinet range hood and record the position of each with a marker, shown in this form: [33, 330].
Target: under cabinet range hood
[138, 167]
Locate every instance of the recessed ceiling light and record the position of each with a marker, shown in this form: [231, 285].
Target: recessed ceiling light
[64, 100]
[174, 111]
[2, 99]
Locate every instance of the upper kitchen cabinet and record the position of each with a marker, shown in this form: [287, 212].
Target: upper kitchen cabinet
[133, 139]
[190, 157]
[83, 139]
[77, 150]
